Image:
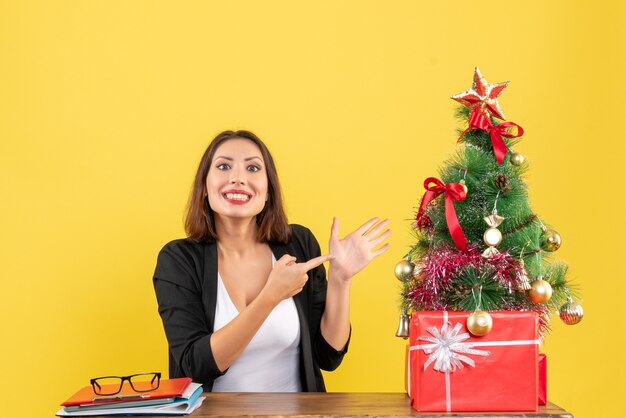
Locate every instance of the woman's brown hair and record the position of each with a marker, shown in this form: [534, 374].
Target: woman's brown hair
[272, 221]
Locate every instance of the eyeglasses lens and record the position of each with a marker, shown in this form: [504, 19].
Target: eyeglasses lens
[107, 385]
[144, 382]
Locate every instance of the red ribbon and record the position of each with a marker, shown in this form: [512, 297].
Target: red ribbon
[453, 191]
[479, 120]
[497, 132]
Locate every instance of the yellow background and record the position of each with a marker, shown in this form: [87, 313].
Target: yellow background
[107, 106]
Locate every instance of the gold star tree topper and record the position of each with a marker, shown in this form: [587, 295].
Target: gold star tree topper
[483, 96]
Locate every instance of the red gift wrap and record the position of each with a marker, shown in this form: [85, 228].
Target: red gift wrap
[451, 370]
[543, 380]
[406, 369]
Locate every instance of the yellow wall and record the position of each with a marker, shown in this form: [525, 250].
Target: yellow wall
[106, 107]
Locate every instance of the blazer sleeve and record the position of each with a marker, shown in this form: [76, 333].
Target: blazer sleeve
[326, 357]
[177, 283]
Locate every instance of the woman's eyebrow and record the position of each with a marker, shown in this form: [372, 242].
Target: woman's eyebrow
[231, 158]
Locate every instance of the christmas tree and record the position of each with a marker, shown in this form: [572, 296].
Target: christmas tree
[479, 246]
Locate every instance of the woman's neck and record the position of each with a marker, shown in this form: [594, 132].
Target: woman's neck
[235, 236]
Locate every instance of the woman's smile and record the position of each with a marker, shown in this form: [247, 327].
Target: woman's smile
[237, 197]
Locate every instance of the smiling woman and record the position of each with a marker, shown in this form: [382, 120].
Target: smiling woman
[244, 299]
[272, 221]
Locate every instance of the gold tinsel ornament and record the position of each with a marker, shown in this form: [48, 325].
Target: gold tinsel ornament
[571, 312]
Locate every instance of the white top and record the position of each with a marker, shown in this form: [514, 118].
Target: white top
[271, 361]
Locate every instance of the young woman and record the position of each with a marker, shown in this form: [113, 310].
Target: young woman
[245, 301]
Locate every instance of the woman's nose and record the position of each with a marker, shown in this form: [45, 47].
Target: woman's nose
[238, 177]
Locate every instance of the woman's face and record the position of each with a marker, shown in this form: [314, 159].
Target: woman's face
[237, 181]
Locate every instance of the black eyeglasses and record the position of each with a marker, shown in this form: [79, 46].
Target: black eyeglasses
[112, 385]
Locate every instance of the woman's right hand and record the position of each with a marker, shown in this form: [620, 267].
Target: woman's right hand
[287, 277]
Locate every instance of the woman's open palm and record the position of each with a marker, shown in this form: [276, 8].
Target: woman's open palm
[353, 252]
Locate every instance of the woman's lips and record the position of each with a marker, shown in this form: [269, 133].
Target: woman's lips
[237, 197]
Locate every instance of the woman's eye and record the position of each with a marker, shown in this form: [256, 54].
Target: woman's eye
[223, 166]
[253, 168]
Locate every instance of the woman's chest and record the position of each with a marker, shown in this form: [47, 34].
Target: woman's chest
[244, 280]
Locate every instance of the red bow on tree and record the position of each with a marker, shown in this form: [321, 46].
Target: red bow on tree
[480, 120]
[453, 191]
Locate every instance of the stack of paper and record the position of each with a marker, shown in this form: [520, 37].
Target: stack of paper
[173, 397]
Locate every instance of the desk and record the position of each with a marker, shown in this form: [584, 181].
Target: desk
[335, 405]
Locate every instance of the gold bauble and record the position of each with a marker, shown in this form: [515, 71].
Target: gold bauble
[462, 183]
[517, 159]
[479, 323]
[492, 237]
[540, 291]
[571, 313]
[404, 269]
[550, 240]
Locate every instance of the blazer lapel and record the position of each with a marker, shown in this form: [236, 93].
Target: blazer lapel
[306, 351]
[210, 281]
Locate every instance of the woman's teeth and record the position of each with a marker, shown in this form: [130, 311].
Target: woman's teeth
[237, 196]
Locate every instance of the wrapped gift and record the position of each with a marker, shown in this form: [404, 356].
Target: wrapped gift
[452, 370]
[543, 379]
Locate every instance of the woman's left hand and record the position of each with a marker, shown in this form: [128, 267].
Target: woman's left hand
[355, 251]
